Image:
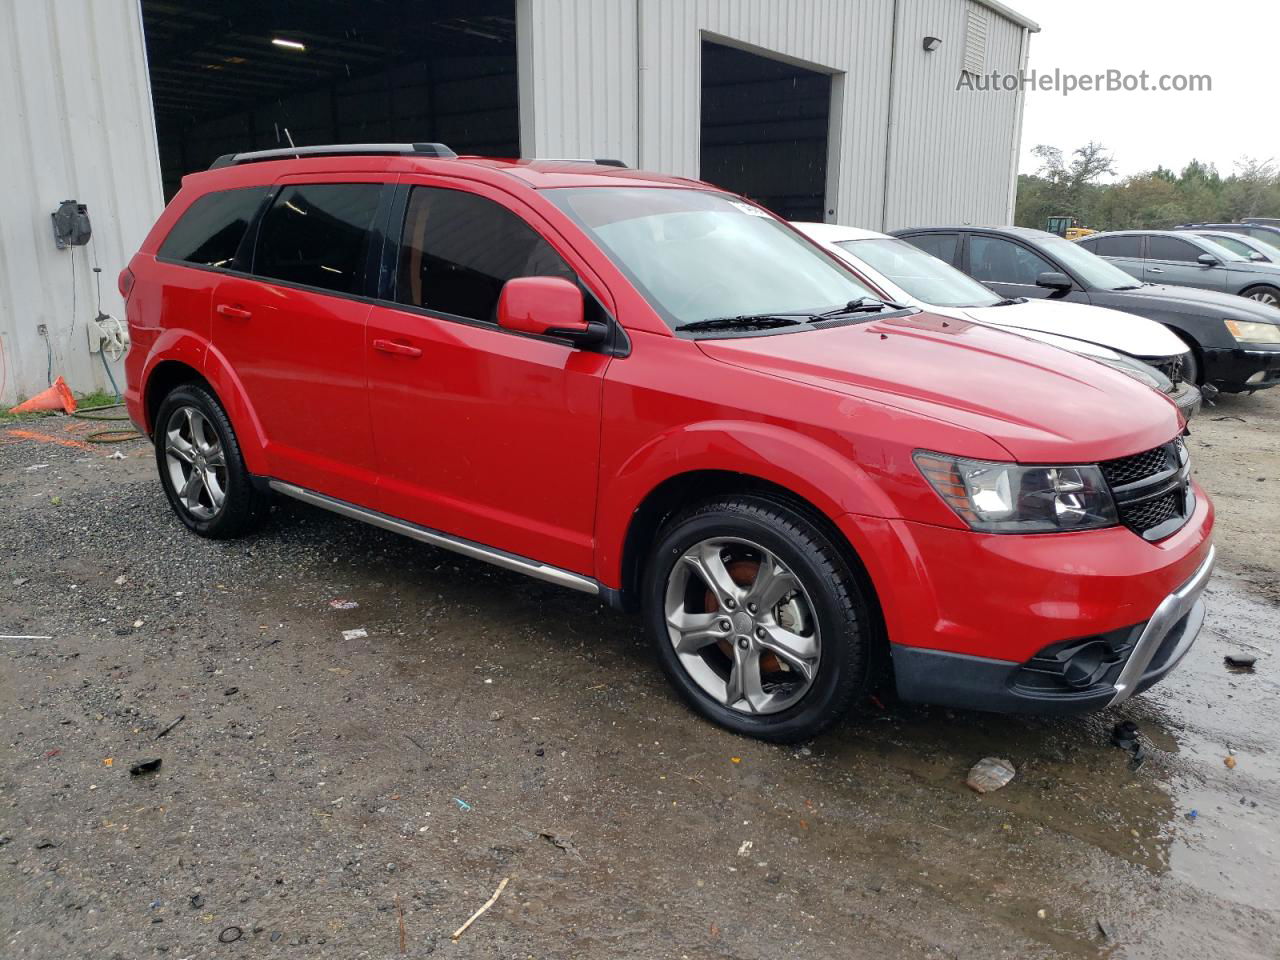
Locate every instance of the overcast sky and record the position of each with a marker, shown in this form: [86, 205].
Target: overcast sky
[1235, 43]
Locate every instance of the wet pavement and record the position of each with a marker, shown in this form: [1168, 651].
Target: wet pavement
[362, 797]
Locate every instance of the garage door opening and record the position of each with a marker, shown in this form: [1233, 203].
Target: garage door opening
[764, 130]
[233, 75]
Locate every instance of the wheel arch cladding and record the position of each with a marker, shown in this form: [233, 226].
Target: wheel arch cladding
[220, 380]
[686, 489]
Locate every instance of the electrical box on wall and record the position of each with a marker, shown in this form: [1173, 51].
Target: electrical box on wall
[71, 226]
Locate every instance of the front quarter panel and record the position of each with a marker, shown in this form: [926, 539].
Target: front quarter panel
[670, 410]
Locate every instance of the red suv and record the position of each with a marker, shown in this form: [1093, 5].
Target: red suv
[645, 388]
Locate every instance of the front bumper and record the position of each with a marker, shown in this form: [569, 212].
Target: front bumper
[1188, 398]
[1075, 677]
[1244, 368]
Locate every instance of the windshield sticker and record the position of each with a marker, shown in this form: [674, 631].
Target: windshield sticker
[750, 209]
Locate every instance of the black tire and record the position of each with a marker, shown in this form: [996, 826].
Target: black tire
[1264, 294]
[1191, 368]
[243, 508]
[844, 671]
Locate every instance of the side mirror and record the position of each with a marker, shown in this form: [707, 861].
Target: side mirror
[1256, 257]
[1207, 260]
[1054, 280]
[545, 306]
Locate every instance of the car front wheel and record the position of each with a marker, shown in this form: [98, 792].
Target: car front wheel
[757, 619]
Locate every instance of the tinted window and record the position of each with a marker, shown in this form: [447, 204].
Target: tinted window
[1121, 246]
[459, 249]
[1171, 248]
[1090, 244]
[940, 245]
[315, 234]
[994, 260]
[211, 230]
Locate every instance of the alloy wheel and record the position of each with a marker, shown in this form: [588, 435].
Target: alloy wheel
[742, 625]
[196, 462]
[1267, 297]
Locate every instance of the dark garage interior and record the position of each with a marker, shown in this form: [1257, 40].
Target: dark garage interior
[234, 75]
[764, 130]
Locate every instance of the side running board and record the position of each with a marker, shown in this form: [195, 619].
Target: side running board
[468, 548]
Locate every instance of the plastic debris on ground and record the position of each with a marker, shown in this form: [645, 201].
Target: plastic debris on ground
[359, 633]
[344, 604]
[145, 766]
[462, 804]
[990, 773]
[1241, 661]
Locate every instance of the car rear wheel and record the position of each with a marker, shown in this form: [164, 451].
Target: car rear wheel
[201, 468]
[1264, 294]
[757, 619]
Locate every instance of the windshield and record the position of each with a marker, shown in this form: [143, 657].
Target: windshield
[697, 255]
[1092, 269]
[1220, 250]
[926, 278]
[1238, 247]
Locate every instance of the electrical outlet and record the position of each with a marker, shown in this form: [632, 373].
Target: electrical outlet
[42, 329]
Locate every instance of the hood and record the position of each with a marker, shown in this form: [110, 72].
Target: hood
[1042, 404]
[1124, 332]
[1195, 300]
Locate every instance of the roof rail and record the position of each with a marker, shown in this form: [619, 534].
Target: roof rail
[336, 150]
[598, 161]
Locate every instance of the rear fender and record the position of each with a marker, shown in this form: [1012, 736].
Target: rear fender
[187, 348]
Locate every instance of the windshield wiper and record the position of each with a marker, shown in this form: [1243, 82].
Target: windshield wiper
[861, 305]
[1009, 301]
[748, 320]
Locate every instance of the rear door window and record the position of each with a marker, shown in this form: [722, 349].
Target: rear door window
[317, 234]
[458, 250]
[209, 233]
[940, 245]
[996, 260]
[1121, 246]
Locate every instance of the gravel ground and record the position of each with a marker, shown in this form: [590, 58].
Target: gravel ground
[324, 796]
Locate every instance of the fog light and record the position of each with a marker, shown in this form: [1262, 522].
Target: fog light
[1257, 377]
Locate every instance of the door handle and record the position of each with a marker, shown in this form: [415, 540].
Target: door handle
[1155, 270]
[235, 313]
[397, 348]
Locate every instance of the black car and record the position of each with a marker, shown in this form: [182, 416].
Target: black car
[1235, 342]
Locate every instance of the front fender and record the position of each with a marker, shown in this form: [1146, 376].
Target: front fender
[822, 475]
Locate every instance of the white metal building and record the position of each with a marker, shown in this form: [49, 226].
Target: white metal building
[843, 110]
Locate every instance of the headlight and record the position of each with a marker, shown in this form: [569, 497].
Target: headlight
[1145, 375]
[1007, 498]
[1253, 331]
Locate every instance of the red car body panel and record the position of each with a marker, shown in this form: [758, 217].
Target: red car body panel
[545, 451]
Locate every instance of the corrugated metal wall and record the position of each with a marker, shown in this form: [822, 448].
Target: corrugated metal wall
[76, 114]
[952, 155]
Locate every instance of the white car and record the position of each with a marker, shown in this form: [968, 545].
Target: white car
[905, 274]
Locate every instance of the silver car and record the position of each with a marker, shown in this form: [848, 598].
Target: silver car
[1185, 259]
[1251, 248]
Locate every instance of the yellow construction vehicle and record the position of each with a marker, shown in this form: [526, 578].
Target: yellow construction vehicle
[1068, 227]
